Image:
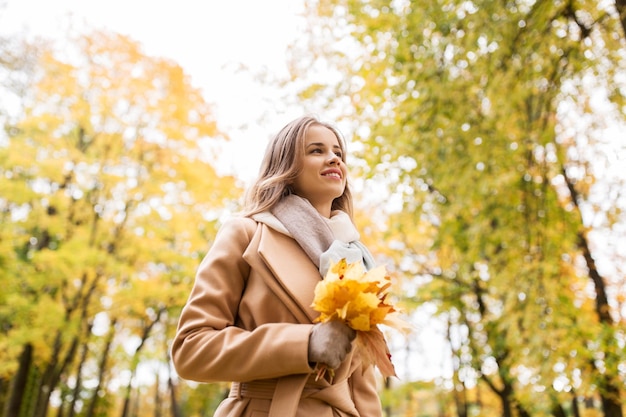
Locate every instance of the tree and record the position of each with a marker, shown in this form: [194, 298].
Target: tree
[460, 104]
[110, 199]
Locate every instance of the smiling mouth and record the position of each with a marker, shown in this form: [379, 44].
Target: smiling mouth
[333, 175]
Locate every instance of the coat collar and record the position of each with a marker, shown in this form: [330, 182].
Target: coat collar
[286, 269]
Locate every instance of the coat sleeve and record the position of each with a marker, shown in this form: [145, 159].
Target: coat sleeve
[208, 346]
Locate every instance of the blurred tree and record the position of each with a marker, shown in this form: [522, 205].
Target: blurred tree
[471, 114]
[109, 199]
[620, 5]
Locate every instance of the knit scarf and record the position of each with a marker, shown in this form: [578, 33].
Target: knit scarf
[325, 241]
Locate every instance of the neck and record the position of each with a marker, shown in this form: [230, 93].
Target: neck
[323, 209]
[324, 212]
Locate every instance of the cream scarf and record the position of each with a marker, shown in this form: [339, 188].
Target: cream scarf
[324, 240]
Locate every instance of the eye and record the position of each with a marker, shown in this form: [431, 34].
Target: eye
[339, 154]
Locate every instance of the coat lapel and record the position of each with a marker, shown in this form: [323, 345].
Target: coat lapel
[287, 270]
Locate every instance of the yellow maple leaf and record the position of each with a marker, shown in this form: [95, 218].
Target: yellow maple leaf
[357, 297]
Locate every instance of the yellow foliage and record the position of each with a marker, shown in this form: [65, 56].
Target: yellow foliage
[357, 298]
[109, 199]
[350, 294]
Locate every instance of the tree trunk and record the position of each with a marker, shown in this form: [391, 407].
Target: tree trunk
[610, 397]
[91, 408]
[558, 411]
[52, 375]
[505, 394]
[129, 388]
[608, 387]
[172, 388]
[61, 410]
[135, 360]
[18, 385]
[78, 385]
[575, 407]
[157, 396]
[5, 387]
[44, 388]
[521, 411]
[620, 5]
[56, 364]
[507, 409]
[460, 400]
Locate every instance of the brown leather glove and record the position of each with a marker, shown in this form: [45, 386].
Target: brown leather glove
[330, 342]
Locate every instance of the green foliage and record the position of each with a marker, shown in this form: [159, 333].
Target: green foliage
[458, 111]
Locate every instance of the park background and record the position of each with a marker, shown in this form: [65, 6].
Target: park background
[487, 152]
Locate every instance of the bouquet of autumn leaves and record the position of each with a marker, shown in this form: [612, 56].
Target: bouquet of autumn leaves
[358, 298]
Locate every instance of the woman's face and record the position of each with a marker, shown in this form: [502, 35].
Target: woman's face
[323, 175]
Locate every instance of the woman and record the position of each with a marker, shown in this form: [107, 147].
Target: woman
[249, 317]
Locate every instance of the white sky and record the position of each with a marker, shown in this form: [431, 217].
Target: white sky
[210, 39]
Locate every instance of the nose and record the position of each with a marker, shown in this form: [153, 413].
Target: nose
[333, 158]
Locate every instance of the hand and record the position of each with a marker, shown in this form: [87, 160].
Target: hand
[330, 342]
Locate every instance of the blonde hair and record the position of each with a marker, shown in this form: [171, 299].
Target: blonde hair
[282, 164]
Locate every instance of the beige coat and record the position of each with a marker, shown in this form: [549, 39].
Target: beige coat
[248, 318]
